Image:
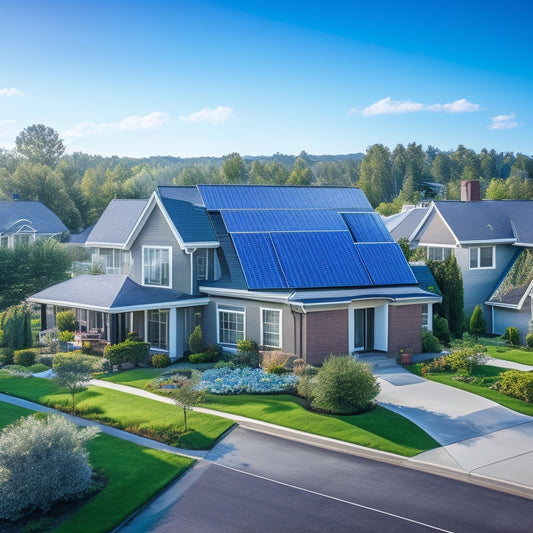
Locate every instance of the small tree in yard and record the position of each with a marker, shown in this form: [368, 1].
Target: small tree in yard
[73, 372]
[196, 340]
[477, 325]
[43, 460]
[344, 386]
[187, 395]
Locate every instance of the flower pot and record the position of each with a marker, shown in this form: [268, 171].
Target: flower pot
[406, 358]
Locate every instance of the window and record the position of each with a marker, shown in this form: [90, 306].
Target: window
[156, 266]
[158, 328]
[425, 316]
[230, 326]
[271, 328]
[439, 254]
[4, 242]
[22, 239]
[482, 257]
[201, 265]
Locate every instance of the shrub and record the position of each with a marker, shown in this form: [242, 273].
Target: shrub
[25, 357]
[127, 352]
[225, 364]
[66, 321]
[196, 340]
[344, 386]
[430, 343]
[15, 324]
[43, 460]
[304, 388]
[133, 337]
[66, 336]
[6, 356]
[247, 346]
[529, 340]
[511, 336]
[87, 348]
[250, 359]
[46, 360]
[160, 360]
[441, 329]
[466, 360]
[203, 357]
[477, 325]
[274, 361]
[298, 366]
[517, 384]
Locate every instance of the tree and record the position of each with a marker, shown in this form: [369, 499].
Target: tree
[477, 325]
[73, 372]
[188, 395]
[234, 169]
[15, 327]
[301, 173]
[196, 340]
[344, 386]
[43, 460]
[408, 252]
[497, 190]
[40, 144]
[375, 175]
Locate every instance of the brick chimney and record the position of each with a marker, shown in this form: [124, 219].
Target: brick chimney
[470, 191]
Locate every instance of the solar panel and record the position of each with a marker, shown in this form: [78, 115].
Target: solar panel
[258, 260]
[386, 263]
[323, 259]
[367, 227]
[282, 220]
[218, 197]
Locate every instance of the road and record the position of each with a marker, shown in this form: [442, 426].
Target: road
[252, 482]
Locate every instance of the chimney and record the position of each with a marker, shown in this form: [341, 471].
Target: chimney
[470, 191]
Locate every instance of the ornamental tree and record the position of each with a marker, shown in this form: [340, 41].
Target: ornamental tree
[73, 371]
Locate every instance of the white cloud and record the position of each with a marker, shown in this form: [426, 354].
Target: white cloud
[387, 106]
[133, 123]
[215, 116]
[503, 122]
[11, 92]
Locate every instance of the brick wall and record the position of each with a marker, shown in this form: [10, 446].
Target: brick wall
[405, 329]
[326, 332]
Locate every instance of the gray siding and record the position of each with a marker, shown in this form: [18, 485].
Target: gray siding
[436, 232]
[252, 322]
[504, 318]
[479, 283]
[156, 232]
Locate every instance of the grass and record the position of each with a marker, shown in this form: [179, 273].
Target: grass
[487, 376]
[126, 466]
[379, 428]
[143, 416]
[507, 353]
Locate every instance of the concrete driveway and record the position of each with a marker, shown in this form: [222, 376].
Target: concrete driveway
[478, 436]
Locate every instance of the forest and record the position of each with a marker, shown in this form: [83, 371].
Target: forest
[78, 186]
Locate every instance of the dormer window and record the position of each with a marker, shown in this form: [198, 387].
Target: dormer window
[156, 266]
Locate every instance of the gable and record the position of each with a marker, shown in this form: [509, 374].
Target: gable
[435, 231]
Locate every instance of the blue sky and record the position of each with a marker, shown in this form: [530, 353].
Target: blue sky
[200, 78]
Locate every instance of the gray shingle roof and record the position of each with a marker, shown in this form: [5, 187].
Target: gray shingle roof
[403, 224]
[488, 220]
[116, 222]
[111, 292]
[39, 217]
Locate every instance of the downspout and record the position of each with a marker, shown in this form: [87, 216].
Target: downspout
[190, 252]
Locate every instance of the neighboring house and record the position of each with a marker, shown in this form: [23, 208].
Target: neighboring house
[487, 237]
[402, 224]
[307, 270]
[23, 222]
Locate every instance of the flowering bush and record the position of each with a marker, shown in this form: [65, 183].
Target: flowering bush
[246, 381]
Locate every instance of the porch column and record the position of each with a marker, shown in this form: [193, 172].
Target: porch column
[173, 333]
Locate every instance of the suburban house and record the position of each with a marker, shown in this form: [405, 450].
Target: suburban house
[492, 241]
[307, 270]
[23, 222]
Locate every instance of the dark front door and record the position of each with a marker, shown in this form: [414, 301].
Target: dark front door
[364, 329]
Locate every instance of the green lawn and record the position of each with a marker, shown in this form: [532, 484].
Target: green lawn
[380, 428]
[135, 474]
[489, 374]
[125, 411]
[506, 353]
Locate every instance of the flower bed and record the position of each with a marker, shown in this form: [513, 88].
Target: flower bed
[246, 381]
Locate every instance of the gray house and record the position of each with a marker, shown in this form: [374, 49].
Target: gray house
[307, 270]
[23, 221]
[492, 242]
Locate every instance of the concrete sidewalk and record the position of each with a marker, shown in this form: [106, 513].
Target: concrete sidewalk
[480, 439]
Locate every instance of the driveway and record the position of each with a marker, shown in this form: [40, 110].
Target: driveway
[478, 436]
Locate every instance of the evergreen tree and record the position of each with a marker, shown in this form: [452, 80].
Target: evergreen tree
[477, 325]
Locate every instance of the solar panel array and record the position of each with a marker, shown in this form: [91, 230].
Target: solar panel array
[307, 237]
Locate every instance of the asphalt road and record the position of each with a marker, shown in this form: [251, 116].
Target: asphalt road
[252, 482]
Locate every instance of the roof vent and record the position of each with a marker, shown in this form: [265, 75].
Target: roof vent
[470, 191]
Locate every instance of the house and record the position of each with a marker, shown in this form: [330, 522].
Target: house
[307, 270]
[402, 224]
[492, 241]
[24, 221]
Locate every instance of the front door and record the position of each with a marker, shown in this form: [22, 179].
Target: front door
[364, 329]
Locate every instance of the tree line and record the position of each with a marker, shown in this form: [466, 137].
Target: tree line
[78, 187]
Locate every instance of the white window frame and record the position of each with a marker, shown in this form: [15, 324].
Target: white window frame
[144, 265]
[279, 313]
[478, 258]
[441, 249]
[149, 320]
[235, 310]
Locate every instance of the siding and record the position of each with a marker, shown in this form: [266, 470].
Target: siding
[156, 232]
[405, 329]
[504, 318]
[436, 232]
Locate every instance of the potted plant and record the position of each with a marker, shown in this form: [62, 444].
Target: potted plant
[406, 357]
